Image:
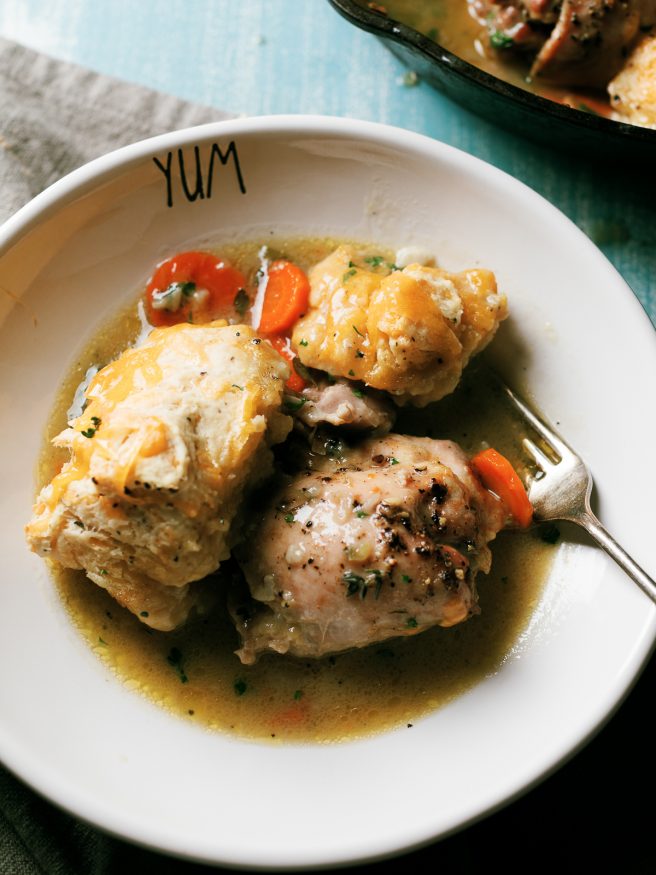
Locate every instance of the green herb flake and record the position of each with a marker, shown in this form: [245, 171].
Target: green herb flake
[500, 40]
[352, 264]
[88, 432]
[241, 302]
[549, 533]
[174, 659]
[240, 686]
[393, 461]
[104, 572]
[102, 642]
[361, 514]
[78, 523]
[303, 342]
[359, 333]
[96, 421]
[374, 260]
[144, 614]
[433, 33]
[358, 393]
[298, 694]
[349, 273]
[187, 289]
[351, 373]
[289, 517]
[359, 354]
[235, 386]
[411, 623]
[292, 403]
[354, 584]
[406, 578]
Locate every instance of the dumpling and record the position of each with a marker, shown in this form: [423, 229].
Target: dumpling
[410, 332]
[173, 434]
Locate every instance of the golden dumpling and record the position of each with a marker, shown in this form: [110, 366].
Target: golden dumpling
[173, 434]
[410, 332]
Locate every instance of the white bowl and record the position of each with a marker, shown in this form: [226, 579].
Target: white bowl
[72, 731]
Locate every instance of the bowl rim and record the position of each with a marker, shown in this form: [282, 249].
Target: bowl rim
[91, 176]
[388, 28]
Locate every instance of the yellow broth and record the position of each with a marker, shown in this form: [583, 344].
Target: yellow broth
[194, 673]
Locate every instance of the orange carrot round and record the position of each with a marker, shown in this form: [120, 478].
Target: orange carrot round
[499, 476]
[285, 298]
[191, 286]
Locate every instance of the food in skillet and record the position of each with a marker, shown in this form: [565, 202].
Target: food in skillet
[592, 55]
[177, 432]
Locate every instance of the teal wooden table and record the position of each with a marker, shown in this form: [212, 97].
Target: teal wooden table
[298, 56]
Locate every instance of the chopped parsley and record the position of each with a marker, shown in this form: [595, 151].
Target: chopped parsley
[174, 659]
[356, 584]
[406, 579]
[96, 420]
[374, 260]
[241, 302]
[240, 686]
[292, 403]
[289, 517]
[549, 533]
[103, 571]
[351, 373]
[303, 342]
[359, 333]
[144, 614]
[88, 432]
[102, 642]
[359, 354]
[235, 386]
[349, 273]
[298, 694]
[358, 393]
[361, 514]
[393, 461]
[411, 623]
[500, 40]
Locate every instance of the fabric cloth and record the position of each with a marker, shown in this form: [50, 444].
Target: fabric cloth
[54, 117]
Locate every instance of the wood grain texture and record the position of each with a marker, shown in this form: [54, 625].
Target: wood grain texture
[279, 56]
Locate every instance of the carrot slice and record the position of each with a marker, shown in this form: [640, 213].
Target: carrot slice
[191, 286]
[499, 476]
[282, 345]
[285, 298]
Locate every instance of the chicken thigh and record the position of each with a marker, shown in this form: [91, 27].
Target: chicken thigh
[383, 540]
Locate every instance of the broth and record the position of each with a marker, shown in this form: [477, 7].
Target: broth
[193, 671]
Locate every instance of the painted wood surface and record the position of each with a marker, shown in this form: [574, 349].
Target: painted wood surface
[256, 57]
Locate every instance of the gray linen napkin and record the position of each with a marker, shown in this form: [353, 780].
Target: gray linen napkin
[54, 117]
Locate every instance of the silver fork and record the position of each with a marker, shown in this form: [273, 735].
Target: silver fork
[563, 490]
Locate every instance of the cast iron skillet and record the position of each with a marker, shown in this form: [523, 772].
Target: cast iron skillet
[545, 121]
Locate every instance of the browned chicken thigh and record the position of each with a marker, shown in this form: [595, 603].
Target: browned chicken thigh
[382, 540]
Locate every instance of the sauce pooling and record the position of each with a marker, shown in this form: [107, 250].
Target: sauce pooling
[193, 671]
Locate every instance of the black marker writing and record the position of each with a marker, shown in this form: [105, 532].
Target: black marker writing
[196, 181]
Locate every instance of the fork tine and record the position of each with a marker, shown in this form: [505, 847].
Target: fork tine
[551, 437]
[541, 459]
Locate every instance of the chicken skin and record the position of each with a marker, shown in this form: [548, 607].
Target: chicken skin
[385, 540]
[174, 433]
[409, 332]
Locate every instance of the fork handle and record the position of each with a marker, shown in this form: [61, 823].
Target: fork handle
[592, 525]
